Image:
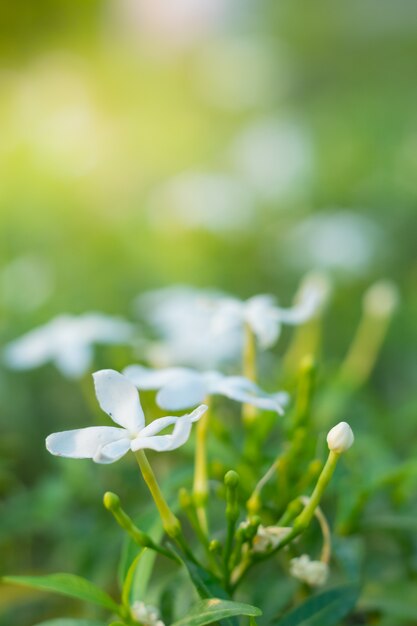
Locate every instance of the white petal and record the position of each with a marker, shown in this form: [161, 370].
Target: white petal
[160, 424]
[228, 314]
[83, 443]
[245, 391]
[147, 378]
[113, 451]
[261, 315]
[163, 443]
[32, 349]
[119, 398]
[100, 328]
[172, 441]
[182, 392]
[74, 360]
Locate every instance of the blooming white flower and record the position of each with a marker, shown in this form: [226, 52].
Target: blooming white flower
[146, 614]
[314, 573]
[180, 388]
[340, 438]
[269, 537]
[180, 316]
[119, 398]
[264, 317]
[67, 341]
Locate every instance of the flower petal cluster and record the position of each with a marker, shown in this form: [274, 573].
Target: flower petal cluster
[264, 317]
[67, 341]
[314, 573]
[180, 317]
[269, 537]
[119, 398]
[181, 388]
[146, 614]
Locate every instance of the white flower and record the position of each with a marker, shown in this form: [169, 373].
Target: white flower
[146, 614]
[314, 573]
[269, 537]
[119, 398]
[337, 240]
[180, 388]
[181, 318]
[340, 438]
[67, 341]
[263, 316]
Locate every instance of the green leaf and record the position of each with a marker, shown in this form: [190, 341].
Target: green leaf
[396, 600]
[71, 622]
[127, 585]
[67, 585]
[214, 610]
[324, 609]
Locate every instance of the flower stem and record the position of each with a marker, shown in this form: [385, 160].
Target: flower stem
[200, 486]
[170, 522]
[249, 370]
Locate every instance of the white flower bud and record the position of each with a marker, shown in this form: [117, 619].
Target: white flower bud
[340, 438]
[381, 299]
[314, 573]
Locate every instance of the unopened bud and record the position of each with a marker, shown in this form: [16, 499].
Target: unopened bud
[381, 299]
[340, 438]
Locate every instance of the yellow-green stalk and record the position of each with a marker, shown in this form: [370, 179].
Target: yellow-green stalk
[200, 485]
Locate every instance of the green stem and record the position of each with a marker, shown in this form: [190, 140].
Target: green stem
[200, 486]
[249, 370]
[112, 504]
[170, 522]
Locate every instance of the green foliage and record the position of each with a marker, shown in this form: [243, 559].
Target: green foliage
[67, 585]
[213, 610]
[324, 609]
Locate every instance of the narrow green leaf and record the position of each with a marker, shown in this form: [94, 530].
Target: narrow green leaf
[67, 585]
[71, 622]
[214, 610]
[324, 609]
[127, 585]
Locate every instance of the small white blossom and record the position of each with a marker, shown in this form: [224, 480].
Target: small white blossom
[340, 438]
[314, 573]
[269, 537]
[119, 398]
[146, 614]
[262, 315]
[67, 341]
[181, 318]
[180, 388]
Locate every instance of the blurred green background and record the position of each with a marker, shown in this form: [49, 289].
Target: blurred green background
[223, 143]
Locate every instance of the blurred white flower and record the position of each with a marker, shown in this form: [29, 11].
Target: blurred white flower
[340, 438]
[146, 614]
[264, 317]
[215, 202]
[339, 240]
[181, 318]
[314, 573]
[67, 341]
[180, 388]
[274, 157]
[269, 537]
[119, 398]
